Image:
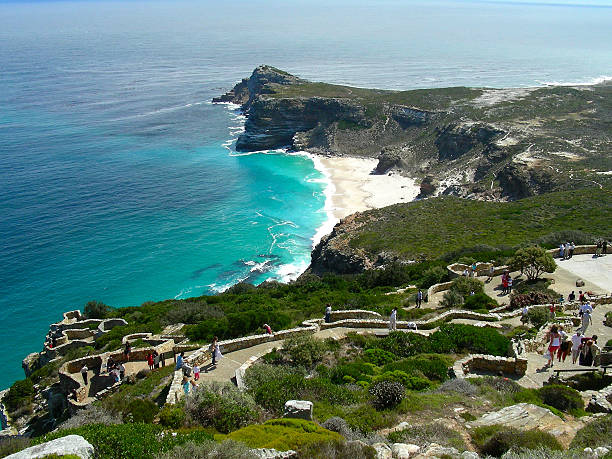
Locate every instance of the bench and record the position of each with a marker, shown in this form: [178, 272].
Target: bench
[602, 368]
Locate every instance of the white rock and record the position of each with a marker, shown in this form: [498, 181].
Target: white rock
[70, 444]
[300, 409]
[435, 450]
[404, 450]
[382, 451]
[469, 455]
[601, 451]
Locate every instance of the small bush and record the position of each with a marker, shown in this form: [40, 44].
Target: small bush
[434, 275]
[479, 301]
[221, 406]
[387, 394]
[596, 433]
[538, 316]
[563, 398]
[172, 416]
[282, 434]
[96, 310]
[305, 351]
[459, 386]
[333, 449]
[10, 445]
[93, 414]
[496, 440]
[466, 285]
[452, 299]
[140, 410]
[589, 381]
[353, 371]
[379, 357]
[19, 396]
[409, 382]
[432, 366]
[425, 434]
[228, 449]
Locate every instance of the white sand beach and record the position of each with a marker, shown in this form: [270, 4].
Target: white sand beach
[354, 189]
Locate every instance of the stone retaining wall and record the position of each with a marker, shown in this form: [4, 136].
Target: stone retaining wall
[490, 364]
[482, 269]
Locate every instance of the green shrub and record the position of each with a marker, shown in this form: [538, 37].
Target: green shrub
[496, 440]
[379, 357]
[451, 299]
[352, 372]
[96, 310]
[387, 394]
[172, 416]
[432, 366]
[466, 285]
[479, 301]
[333, 449]
[563, 398]
[222, 406]
[593, 380]
[305, 351]
[425, 434]
[538, 316]
[19, 396]
[121, 441]
[409, 382]
[139, 410]
[282, 434]
[228, 449]
[10, 445]
[594, 434]
[433, 275]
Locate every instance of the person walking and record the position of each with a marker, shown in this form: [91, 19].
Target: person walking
[214, 350]
[328, 311]
[554, 342]
[504, 280]
[419, 298]
[393, 320]
[562, 251]
[267, 329]
[196, 373]
[150, 361]
[491, 272]
[509, 282]
[586, 320]
[571, 297]
[127, 351]
[571, 250]
[180, 360]
[566, 345]
[567, 251]
[155, 359]
[604, 247]
[121, 369]
[84, 371]
[576, 342]
[186, 385]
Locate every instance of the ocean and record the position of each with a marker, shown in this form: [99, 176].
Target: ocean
[118, 181]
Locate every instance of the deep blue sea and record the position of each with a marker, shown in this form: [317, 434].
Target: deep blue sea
[117, 177]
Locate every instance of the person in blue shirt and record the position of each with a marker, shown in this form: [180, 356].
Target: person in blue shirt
[180, 360]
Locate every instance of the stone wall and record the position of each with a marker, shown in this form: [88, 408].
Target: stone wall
[489, 364]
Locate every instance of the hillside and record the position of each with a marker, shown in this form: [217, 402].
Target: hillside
[490, 144]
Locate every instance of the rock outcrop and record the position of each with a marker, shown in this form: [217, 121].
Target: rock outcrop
[64, 446]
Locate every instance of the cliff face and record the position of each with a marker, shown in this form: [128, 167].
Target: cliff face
[477, 143]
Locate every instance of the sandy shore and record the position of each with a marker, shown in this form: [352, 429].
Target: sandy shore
[353, 189]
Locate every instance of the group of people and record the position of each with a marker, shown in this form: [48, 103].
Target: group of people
[154, 359]
[506, 283]
[584, 349]
[115, 369]
[188, 371]
[566, 251]
[601, 248]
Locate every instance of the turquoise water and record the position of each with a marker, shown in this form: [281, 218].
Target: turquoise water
[117, 180]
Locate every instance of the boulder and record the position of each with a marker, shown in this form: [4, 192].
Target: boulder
[300, 409]
[438, 451]
[404, 450]
[269, 453]
[599, 405]
[70, 444]
[382, 451]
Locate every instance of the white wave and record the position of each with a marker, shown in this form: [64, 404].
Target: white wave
[291, 271]
[592, 81]
[161, 110]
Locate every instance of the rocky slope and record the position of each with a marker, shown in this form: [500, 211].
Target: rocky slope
[491, 144]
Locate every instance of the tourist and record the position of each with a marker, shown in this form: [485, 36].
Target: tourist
[589, 353]
[121, 369]
[585, 307]
[576, 342]
[551, 310]
[571, 250]
[393, 320]
[604, 247]
[214, 350]
[84, 371]
[328, 311]
[554, 342]
[186, 385]
[509, 282]
[150, 360]
[566, 345]
[581, 297]
[598, 248]
[586, 320]
[567, 251]
[474, 270]
[562, 251]
[155, 359]
[571, 297]
[419, 298]
[267, 329]
[491, 272]
[110, 363]
[465, 273]
[127, 350]
[196, 372]
[115, 375]
[504, 280]
[525, 314]
[180, 361]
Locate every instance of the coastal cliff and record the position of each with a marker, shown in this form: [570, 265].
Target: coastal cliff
[486, 144]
